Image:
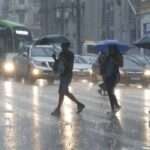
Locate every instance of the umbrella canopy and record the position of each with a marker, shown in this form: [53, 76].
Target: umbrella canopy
[143, 42]
[51, 39]
[104, 46]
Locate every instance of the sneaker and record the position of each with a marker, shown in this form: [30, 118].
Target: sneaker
[80, 108]
[56, 112]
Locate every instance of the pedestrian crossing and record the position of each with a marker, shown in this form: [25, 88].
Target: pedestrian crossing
[25, 112]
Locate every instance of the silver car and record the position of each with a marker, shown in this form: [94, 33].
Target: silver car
[34, 63]
[81, 69]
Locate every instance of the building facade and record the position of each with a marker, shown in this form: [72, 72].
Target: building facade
[24, 12]
[99, 19]
[145, 17]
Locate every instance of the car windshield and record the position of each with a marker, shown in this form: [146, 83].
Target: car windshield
[140, 60]
[42, 51]
[129, 64]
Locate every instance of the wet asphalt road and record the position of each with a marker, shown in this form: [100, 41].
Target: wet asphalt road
[26, 123]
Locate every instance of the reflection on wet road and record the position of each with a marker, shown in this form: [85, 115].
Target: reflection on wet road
[26, 123]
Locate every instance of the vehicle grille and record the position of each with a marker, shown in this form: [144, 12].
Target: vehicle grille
[50, 64]
[44, 64]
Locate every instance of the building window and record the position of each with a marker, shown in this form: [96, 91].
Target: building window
[36, 2]
[21, 16]
[36, 19]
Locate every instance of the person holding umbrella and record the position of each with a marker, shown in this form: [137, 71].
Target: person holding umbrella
[114, 51]
[110, 74]
[66, 57]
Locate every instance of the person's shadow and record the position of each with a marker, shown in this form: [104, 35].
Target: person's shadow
[113, 132]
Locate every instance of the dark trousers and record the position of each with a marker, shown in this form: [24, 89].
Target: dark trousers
[110, 87]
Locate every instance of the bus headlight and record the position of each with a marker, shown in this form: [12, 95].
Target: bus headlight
[9, 67]
[147, 73]
[35, 72]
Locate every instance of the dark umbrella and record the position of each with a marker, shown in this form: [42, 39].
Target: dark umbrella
[143, 42]
[51, 39]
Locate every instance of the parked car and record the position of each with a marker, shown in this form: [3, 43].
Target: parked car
[134, 72]
[34, 63]
[82, 70]
[139, 59]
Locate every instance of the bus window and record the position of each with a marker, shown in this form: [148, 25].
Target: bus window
[13, 36]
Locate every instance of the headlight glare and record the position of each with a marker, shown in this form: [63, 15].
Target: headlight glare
[90, 71]
[35, 72]
[147, 73]
[8, 67]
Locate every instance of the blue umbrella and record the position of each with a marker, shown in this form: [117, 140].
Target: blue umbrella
[103, 46]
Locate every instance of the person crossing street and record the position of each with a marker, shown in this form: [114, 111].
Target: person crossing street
[66, 58]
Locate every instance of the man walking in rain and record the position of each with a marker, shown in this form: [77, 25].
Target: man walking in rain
[66, 57]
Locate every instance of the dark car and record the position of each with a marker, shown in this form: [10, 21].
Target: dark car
[134, 72]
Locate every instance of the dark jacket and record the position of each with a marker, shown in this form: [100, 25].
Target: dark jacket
[110, 69]
[67, 58]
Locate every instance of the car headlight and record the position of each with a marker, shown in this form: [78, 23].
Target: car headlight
[147, 72]
[90, 71]
[8, 67]
[35, 72]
